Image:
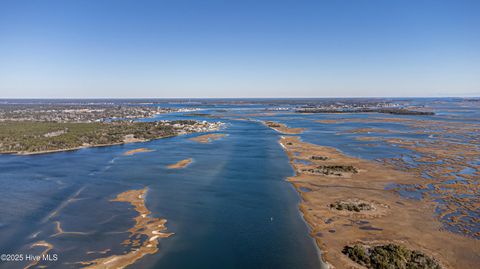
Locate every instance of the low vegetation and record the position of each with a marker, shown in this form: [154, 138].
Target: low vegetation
[351, 206]
[335, 170]
[319, 158]
[389, 256]
[272, 124]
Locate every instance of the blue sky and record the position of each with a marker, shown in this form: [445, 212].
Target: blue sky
[203, 48]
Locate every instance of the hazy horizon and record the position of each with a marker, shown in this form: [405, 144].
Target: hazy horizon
[239, 49]
[472, 95]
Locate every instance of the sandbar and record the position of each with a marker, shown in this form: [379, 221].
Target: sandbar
[43, 244]
[180, 164]
[207, 138]
[135, 151]
[149, 228]
[59, 231]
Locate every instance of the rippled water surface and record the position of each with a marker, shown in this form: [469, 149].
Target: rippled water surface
[230, 208]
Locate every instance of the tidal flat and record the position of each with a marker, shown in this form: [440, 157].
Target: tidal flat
[337, 186]
[328, 206]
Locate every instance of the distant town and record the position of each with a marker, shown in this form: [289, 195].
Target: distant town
[80, 112]
[364, 107]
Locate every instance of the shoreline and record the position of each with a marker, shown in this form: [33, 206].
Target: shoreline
[26, 138]
[324, 264]
[27, 153]
[390, 221]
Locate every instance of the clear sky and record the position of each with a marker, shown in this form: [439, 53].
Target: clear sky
[203, 48]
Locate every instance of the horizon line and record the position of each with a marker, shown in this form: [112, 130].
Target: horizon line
[269, 97]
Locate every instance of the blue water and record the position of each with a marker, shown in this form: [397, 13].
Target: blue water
[231, 208]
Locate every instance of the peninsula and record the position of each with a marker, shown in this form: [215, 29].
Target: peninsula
[32, 137]
[282, 128]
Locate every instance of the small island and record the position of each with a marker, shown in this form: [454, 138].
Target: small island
[207, 138]
[180, 164]
[135, 151]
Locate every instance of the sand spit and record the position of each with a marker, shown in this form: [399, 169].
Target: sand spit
[282, 128]
[105, 251]
[356, 209]
[143, 238]
[59, 231]
[207, 138]
[135, 151]
[180, 164]
[43, 244]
